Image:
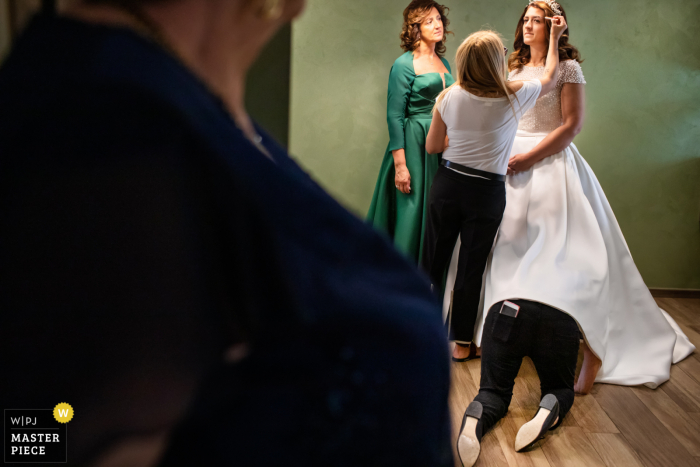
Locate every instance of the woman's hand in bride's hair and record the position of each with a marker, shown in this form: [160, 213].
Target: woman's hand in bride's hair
[519, 163]
[558, 26]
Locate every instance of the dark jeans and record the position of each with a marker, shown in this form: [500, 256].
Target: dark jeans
[473, 208]
[546, 335]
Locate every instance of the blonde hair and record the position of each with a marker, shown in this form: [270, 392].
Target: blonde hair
[481, 67]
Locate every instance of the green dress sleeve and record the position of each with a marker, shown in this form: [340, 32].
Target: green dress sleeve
[400, 82]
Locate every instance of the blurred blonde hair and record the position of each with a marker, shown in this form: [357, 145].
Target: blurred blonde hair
[481, 67]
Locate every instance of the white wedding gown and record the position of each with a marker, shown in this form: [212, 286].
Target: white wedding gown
[560, 244]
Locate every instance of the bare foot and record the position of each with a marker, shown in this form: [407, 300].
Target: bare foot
[461, 352]
[466, 351]
[589, 370]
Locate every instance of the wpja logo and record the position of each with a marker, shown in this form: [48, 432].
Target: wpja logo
[37, 435]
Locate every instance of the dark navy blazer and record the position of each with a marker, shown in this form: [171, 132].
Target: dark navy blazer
[142, 235]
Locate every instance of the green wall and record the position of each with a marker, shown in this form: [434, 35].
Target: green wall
[642, 130]
[267, 87]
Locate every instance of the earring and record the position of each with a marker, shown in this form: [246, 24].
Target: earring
[272, 9]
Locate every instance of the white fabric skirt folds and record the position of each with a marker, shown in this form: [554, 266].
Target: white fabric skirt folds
[560, 244]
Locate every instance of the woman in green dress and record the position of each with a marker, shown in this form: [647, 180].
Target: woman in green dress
[400, 197]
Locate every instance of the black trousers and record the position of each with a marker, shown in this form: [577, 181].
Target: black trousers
[473, 208]
[548, 336]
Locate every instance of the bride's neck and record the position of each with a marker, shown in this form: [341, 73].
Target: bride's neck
[538, 55]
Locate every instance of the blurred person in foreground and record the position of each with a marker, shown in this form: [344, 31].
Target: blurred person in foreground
[172, 274]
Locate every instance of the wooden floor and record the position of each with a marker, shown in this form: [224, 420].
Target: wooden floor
[613, 426]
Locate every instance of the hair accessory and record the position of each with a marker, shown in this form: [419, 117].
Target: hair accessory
[552, 4]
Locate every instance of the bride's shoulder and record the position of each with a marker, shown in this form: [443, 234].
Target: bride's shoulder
[570, 72]
[570, 63]
[514, 72]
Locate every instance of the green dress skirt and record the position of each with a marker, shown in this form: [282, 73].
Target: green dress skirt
[410, 103]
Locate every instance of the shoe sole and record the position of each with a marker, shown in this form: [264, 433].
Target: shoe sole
[468, 446]
[532, 431]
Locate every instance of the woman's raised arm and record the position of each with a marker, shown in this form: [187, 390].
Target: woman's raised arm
[551, 65]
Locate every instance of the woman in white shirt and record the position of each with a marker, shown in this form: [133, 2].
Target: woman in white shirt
[479, 114]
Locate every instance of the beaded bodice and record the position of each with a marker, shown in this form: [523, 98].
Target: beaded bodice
[545, 116]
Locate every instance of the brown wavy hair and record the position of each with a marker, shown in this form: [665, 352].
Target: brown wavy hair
[521, 54]
[413, 17]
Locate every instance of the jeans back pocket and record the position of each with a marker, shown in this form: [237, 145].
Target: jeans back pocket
[503, 327]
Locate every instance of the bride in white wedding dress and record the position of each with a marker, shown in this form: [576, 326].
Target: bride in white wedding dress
[559, 242]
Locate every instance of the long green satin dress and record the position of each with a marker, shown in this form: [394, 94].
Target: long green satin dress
[409, 112]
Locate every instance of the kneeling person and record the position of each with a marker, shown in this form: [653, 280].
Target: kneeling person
[515, 329]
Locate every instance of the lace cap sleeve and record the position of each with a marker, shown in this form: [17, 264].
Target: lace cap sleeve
[571, 72]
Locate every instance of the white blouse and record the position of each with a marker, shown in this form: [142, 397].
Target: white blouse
[482, 129]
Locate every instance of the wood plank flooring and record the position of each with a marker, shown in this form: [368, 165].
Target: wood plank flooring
[614, 426]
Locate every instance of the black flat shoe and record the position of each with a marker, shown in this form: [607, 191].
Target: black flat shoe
[536, 428]
[468, 446]
[465, 359]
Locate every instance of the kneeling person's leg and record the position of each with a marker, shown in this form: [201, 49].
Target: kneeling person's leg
[555, 353]
[504, 344]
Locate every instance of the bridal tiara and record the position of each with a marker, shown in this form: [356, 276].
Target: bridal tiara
[552, 4]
